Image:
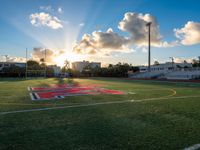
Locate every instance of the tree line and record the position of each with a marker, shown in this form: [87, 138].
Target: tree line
[34, 69]
[118, 70]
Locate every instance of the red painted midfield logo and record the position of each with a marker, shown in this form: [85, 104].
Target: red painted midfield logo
[59, 91]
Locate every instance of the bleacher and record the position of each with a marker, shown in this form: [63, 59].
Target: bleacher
[155, 74]
[173, 74]
[183, 74]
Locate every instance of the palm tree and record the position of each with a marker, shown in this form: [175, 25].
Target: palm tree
[67, 64]
[199, 60]
[66, 67]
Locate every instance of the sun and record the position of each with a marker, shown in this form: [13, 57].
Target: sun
[69, 56]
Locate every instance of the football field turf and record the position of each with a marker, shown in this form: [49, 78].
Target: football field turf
[148, 115]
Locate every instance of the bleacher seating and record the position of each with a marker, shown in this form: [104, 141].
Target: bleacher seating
[173, 74]
[183, 75]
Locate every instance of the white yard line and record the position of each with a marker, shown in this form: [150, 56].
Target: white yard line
[96, 104]
[31, 95]
[29, 88]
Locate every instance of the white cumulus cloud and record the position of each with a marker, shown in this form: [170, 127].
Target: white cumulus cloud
[39, 53]
[12, 59]
[136, 25]
[45, 19]
[189, 34]
[101, 42]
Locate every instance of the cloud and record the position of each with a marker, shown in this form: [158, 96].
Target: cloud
[12, 59]
[181, 60]
[189, 34]
[166, 44]
[39, 53]
[60, 10]
[101, 42]
[45, 19]
[47, 8]
[144, 50]
[82, 24]
[51, 9]
[136, 25]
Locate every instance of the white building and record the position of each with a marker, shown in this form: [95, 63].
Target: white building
[95, 64]
[56, 70]
[178, 71]
[166, 67]
[80, 65]
[10, 64]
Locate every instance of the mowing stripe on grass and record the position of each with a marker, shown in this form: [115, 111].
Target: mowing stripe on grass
[96, 104]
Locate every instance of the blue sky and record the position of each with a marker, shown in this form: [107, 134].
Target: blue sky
[71, 19]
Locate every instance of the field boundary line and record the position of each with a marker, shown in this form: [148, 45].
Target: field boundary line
[96, 104]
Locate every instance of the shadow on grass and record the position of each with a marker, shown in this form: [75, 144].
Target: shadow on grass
[65, 80]
[47, 83]
[12, 79]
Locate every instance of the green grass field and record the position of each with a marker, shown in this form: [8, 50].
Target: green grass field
[152, 115]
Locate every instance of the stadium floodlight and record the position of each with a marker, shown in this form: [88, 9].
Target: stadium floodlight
[172, 58]
[149, 51]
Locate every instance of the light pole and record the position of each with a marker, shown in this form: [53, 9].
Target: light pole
[26, 62]
[149, 51]
[172, 62]
[45, 70]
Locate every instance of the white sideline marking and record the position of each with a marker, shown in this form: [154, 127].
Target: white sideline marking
[193, 147]
[95, 104]
[31, 95]
[29, 88]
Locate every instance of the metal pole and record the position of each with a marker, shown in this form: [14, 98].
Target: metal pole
[26, 62]
[149, 51]
[45, 71]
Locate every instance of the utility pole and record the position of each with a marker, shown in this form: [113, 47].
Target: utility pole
[149, 51]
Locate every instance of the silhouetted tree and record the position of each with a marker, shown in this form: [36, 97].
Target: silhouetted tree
[156, 63]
